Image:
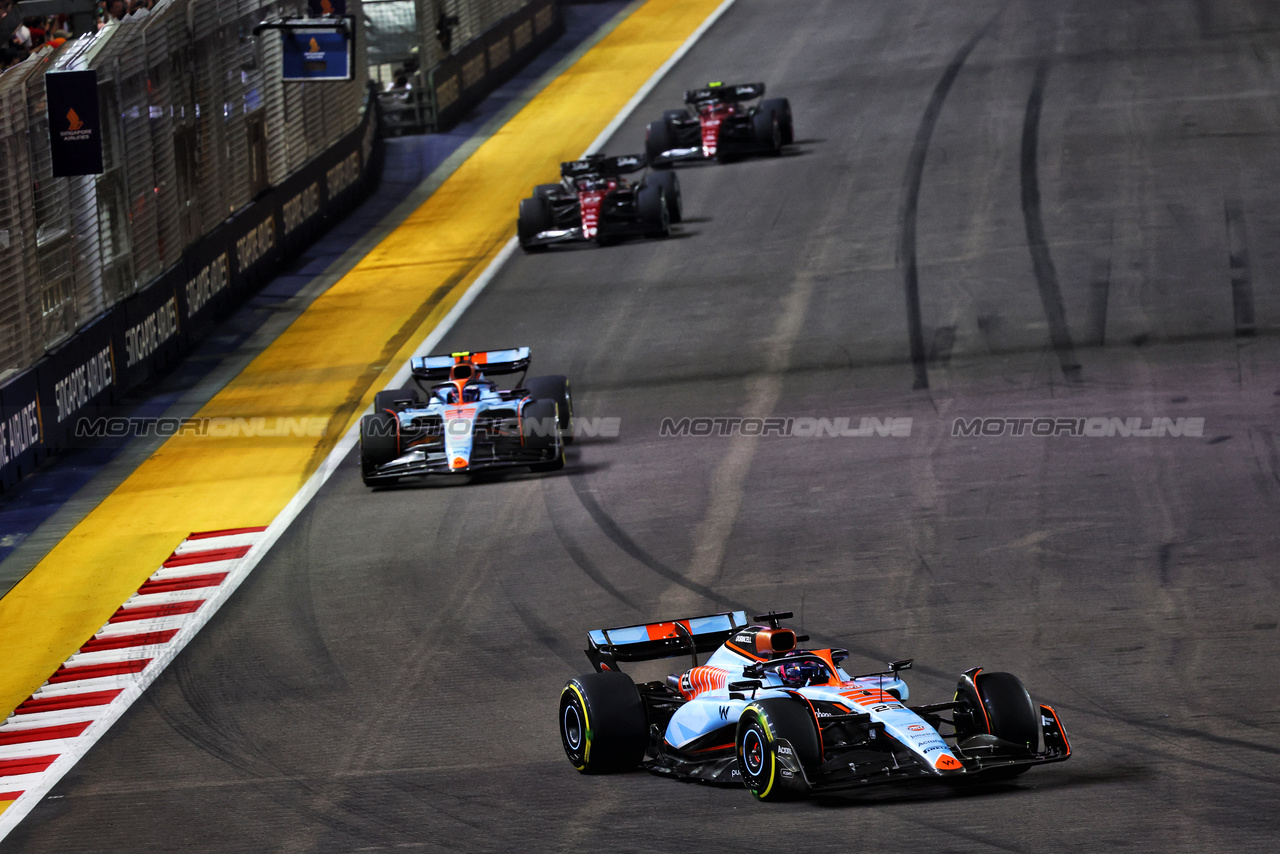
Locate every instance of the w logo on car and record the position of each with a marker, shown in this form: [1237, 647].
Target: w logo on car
[724, 713]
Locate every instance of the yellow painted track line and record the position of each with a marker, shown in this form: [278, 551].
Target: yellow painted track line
[329, 362]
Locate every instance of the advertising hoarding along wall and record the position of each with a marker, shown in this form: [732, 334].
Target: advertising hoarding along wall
[466, 77]
[145, 335]
[75, 127]
[318, 49]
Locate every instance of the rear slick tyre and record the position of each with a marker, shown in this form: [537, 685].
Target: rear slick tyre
[602, 723]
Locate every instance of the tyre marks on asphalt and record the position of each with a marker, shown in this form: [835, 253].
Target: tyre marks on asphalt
[1099, 297]
[911, 202]
[575, 551]
[1041, 259]
[728, 480]
[1241, 277]
[611, 529]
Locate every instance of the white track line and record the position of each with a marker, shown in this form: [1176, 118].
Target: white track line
[36, 786]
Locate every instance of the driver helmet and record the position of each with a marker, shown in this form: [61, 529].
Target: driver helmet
[798, 674]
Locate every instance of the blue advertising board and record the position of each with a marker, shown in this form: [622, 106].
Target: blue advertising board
[317, 51]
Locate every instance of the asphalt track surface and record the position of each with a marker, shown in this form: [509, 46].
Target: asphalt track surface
[1082, 198]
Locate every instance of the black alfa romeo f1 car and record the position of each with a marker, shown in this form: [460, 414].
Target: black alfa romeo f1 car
[594, 201]
[719, 123]
[786, 721]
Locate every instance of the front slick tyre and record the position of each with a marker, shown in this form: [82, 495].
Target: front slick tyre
[602, 723]
[776, 740]
[379, 444]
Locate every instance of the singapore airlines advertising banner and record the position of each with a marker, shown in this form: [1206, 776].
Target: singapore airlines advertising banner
[75, 129]
[316, 53]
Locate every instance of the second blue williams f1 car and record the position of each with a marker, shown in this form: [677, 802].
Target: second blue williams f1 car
[454, 419]
[786, 722]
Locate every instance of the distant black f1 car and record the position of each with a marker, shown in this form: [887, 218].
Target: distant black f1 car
[718, 123]
[593, 201]
[786, 722]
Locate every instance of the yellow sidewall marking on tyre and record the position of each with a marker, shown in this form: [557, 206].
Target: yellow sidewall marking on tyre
[773, 758]
[586, 727]
[328, 363]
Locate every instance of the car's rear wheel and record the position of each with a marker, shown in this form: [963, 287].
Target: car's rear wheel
[652, 205]
[602, 723]
[535, 217]
[555, 388]
[670, 184]
[777, 741]
[659, 136]
[781, 108]
[379, 445]
[395, 399]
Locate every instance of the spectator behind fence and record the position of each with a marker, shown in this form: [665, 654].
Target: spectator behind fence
[111, 10]
[11, 56]
[21, 37]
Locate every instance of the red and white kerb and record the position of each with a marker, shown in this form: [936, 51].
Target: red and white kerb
[49, 732]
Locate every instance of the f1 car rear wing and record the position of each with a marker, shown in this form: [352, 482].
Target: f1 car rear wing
[599, 164]
[490, 362]
[722, 92]
[651, 641]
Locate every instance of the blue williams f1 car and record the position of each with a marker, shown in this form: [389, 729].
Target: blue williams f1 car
[786, 722]
[454, 419]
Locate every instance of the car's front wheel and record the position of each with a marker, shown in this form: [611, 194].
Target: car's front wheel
[379, 444]
[653, 210]
[997, 704]
[541, 431]
[535, 217]
[777, 740]
[670, 184]
[781, 108]
[555, 388]
[658, 138]
[768, 131]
